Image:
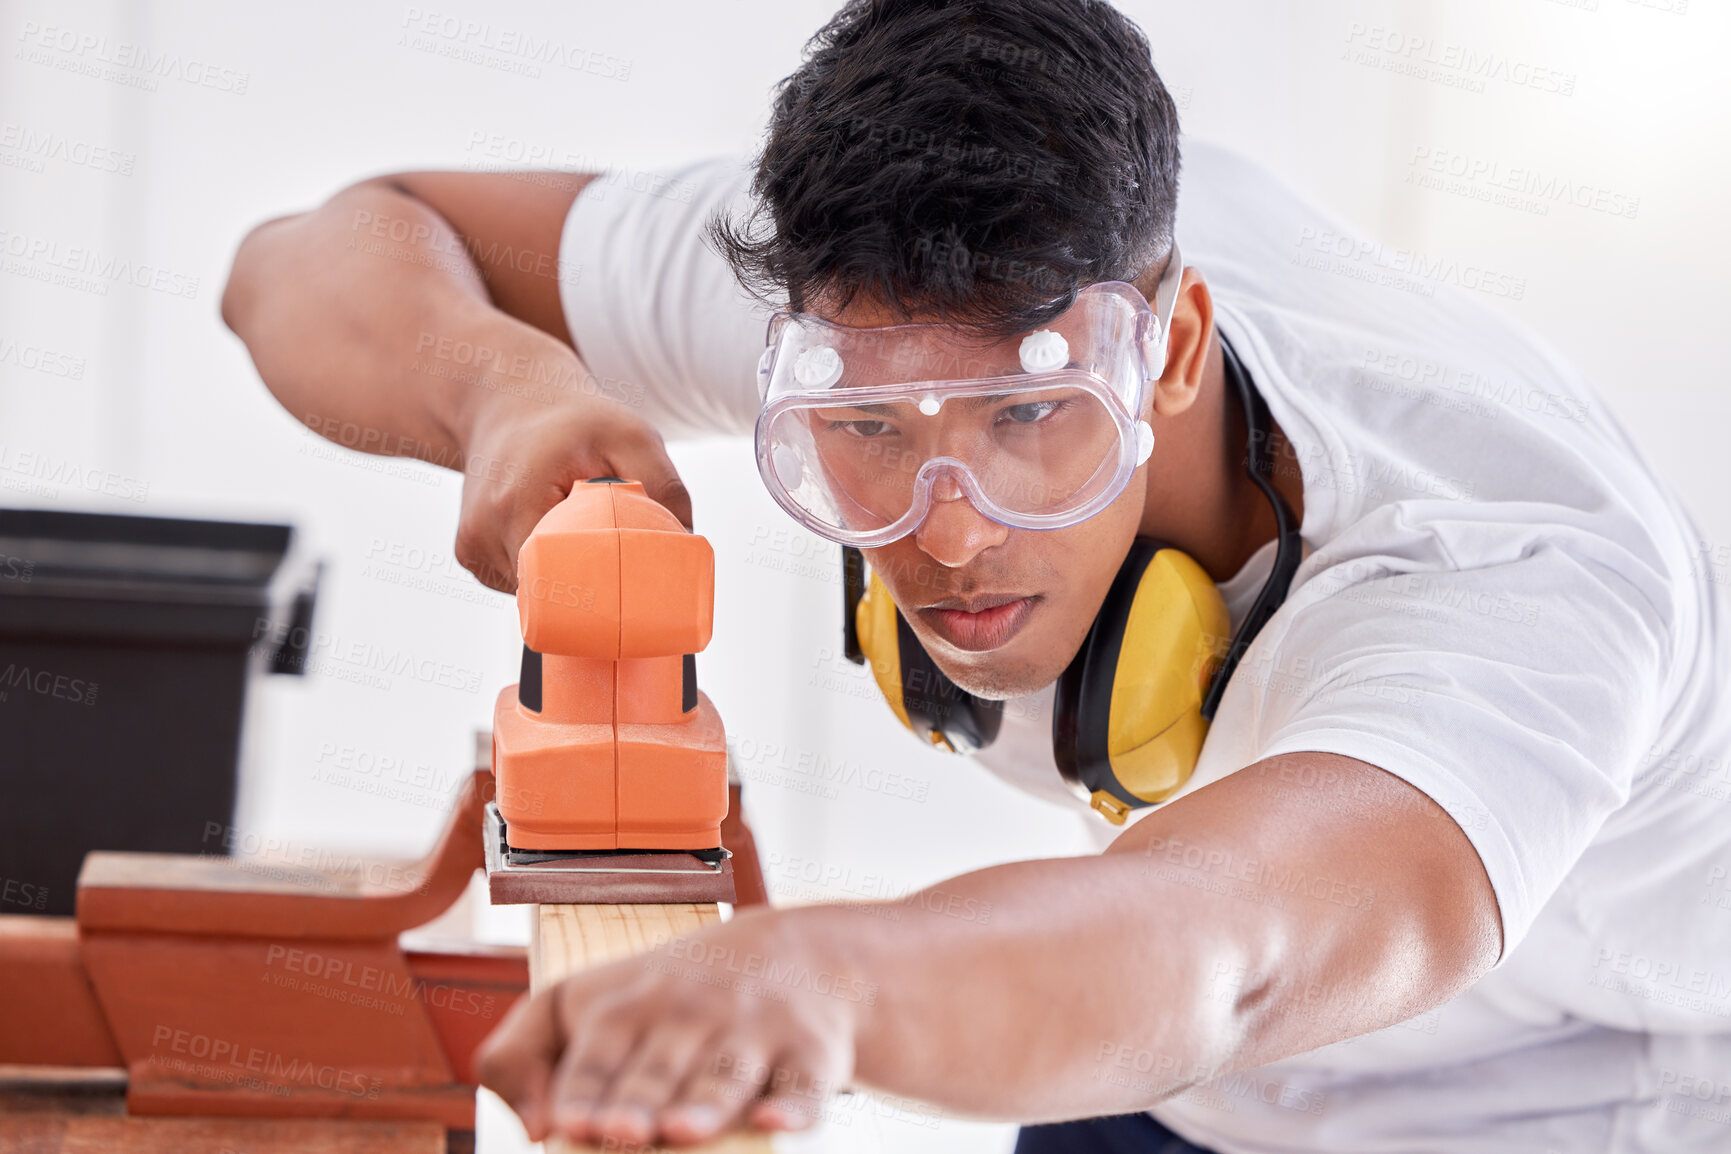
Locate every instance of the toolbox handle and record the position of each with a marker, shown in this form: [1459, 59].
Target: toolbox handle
[292, 654]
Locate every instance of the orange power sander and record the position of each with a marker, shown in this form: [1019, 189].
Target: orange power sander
[610, 763]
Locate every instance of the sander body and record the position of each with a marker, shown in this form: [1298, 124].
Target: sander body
[610, 765]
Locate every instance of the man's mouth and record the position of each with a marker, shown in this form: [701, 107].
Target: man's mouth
[976, 624]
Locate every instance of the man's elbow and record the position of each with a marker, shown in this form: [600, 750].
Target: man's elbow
[1399, 962]
[1336, 972]
[1460, 935]
[262, 259]
[238, 293]
[1445, 924]
[249, 273]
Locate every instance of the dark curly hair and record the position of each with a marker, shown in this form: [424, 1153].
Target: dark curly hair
[971, 161]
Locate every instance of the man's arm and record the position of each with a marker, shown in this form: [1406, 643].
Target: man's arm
[1304, 900]
[419, 315]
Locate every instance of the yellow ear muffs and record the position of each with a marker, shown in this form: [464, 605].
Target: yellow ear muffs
[876, 618]
[923, 697]
[1127, 722]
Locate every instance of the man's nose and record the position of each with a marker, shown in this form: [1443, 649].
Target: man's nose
[954, 532]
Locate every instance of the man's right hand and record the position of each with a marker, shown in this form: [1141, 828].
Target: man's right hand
[521, 458]
[348, 311]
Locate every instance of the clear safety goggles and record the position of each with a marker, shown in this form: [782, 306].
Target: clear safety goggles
[861, 429]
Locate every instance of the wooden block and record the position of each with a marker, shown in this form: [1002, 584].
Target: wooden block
[51, 1014]
[233, 992]
[569, 938]
[220, 896]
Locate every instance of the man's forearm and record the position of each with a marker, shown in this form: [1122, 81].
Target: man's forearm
[1012, 991]
[370, 321]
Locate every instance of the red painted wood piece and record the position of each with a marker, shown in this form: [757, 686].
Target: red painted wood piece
[234, 991]
[51, 1016]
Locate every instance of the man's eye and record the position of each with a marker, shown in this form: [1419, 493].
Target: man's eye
[1030, 412]
[862, 428]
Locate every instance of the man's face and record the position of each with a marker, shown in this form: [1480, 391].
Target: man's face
[1000, 610]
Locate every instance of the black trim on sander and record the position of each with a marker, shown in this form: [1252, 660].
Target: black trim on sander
[529, 681]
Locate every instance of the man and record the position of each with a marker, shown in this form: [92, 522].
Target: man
[1440, 878]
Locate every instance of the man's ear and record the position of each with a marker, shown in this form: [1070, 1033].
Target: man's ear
[1186, 345]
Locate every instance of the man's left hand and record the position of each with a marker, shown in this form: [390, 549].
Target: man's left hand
[749, 1023]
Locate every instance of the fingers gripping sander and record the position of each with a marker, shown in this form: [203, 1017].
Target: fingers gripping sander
[610, 765]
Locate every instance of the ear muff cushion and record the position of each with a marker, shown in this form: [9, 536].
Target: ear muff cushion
[1177, 631]
[923, 697]
[943, 712]
[876, 620]
[1128, 717]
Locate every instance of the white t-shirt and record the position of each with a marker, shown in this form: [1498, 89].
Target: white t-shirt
[1500, 604]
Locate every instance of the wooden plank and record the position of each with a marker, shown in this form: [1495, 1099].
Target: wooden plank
[73, 1134]
[569, 938]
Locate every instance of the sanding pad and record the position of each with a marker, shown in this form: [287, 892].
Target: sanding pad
[602, 877]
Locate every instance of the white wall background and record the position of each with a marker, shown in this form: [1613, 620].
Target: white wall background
[154, 168]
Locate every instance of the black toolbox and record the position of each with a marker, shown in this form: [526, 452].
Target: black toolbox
[125, 648]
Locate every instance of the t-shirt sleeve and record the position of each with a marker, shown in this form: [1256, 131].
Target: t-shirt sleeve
[1519, 694]
[654, 310]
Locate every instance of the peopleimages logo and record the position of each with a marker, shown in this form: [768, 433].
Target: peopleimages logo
[121, 61]
[341, 979]
[225, 1060]
[18, 469]
[1664, 980]
[1411, 270]
[502, 47]
[38, 359]
[46, 683]
[356, 659]
[86, 269]
[1522, 187]
[36, 146]
[793, 975]
[1448, 63]
[26, 894]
